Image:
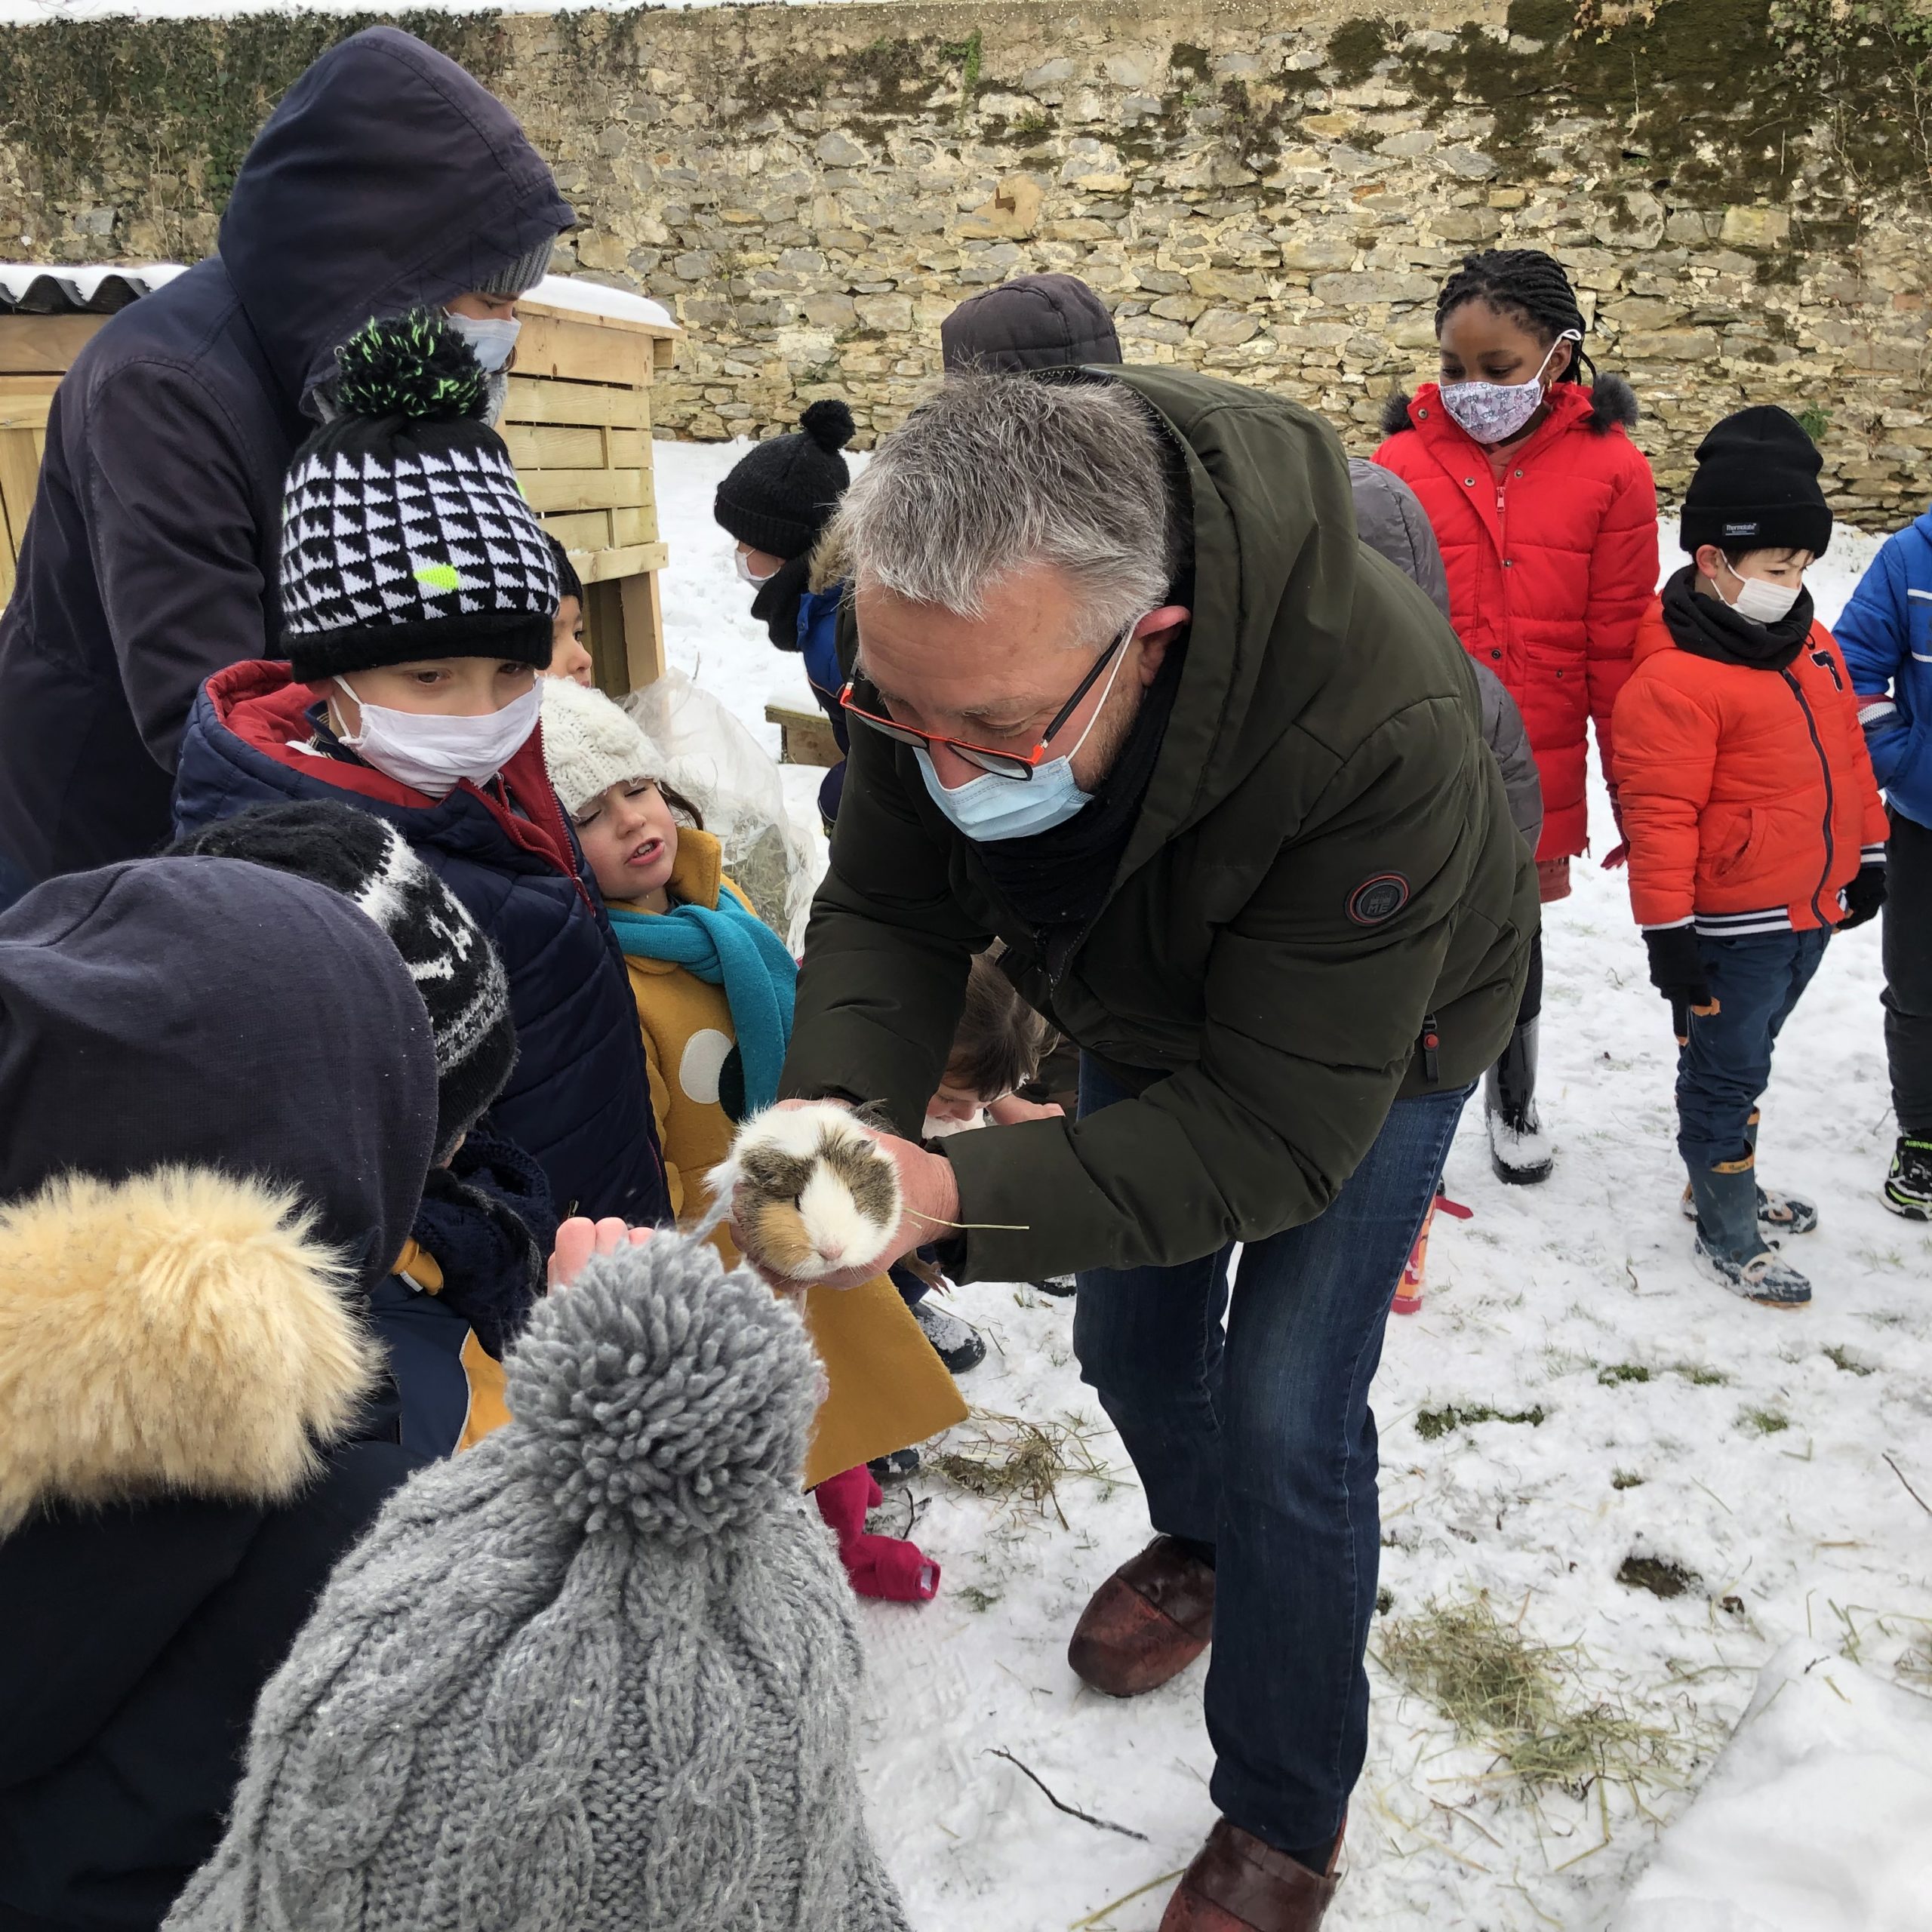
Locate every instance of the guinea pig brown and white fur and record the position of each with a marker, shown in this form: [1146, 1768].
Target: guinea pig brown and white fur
[810, 1191]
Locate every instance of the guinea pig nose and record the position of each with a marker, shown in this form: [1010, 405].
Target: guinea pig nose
[831, 1250]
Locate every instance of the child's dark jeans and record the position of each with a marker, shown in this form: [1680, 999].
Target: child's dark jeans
[1727, 1065]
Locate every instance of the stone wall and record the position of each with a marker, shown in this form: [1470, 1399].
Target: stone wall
[1270, 190]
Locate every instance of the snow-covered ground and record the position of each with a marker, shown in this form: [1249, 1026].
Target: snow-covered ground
[1747, 1447]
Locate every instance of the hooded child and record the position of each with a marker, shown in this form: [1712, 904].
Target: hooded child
[776, 503]
[1755, 825]
[1546, 511]
[387, 179]
[419, 593]
[219, 1083]
[713, 987]
[472, 1268]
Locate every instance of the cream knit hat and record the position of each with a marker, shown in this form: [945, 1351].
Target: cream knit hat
[591, 743]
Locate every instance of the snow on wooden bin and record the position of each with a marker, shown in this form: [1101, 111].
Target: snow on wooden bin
[577, 423]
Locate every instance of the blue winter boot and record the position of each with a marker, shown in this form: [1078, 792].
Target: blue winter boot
[1730, 1246]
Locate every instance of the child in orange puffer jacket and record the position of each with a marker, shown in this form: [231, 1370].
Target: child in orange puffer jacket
[1755, 823]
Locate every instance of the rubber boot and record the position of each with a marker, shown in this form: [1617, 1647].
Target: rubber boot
[1519, 1150]
[1730, 1246]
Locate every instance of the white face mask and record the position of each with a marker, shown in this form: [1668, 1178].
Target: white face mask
[491, 338]
[741, 559]
[434, 754]
[1758, 602]
[1494, 412]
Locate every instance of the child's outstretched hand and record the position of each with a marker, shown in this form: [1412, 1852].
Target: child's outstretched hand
[1012, 1110]
[580, 1238]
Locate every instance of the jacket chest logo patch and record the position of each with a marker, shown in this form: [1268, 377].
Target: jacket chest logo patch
[1380, 898]
[1825, 662]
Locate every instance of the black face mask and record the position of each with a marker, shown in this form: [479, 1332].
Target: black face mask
[1709, 627]
[775, 606]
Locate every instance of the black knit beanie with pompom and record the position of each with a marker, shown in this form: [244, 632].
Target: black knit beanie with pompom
[404, 532]
[782, 494]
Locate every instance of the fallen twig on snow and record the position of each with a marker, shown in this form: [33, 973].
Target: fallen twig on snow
[1071, 1810]
[1908, 1490]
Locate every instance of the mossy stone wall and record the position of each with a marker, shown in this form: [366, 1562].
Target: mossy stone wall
[1269, 189]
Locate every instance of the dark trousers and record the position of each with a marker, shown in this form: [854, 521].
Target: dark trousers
[1724, 1069]
[1908, 930]
[15, 883]
[1260, 1442]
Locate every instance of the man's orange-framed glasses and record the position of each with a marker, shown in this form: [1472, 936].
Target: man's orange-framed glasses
[1004, 764]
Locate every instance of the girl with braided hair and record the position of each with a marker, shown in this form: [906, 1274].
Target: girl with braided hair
[1546, 514]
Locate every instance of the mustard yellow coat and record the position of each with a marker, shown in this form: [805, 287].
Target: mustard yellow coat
[887, 1388]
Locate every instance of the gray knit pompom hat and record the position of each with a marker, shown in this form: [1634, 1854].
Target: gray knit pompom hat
[597, 1673]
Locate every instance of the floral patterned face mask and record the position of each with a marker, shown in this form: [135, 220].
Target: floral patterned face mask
[1494, 412]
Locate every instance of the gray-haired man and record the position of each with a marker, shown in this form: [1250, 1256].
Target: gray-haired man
[1130, 696]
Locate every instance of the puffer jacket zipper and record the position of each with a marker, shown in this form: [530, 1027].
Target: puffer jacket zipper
[1824, 766]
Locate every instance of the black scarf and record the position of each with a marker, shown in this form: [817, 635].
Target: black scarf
[1061, 876]
[775, 606]
[1709, 627]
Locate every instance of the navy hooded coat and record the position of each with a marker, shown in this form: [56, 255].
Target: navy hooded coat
[387, 178]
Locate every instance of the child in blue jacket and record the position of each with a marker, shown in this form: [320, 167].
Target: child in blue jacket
[1886, 634]
[776, 503]
[417, 591]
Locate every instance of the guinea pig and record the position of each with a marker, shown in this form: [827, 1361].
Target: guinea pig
[809, 1191]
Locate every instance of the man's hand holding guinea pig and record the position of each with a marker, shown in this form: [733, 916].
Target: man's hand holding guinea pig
[826, 1209]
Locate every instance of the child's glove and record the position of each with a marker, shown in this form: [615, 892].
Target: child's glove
[1864, 895]
[1677, 971]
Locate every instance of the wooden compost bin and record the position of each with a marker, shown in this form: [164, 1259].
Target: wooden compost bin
[577, 423]
[35, 352]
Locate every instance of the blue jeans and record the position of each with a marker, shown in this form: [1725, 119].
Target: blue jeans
[1723, 1071]
[1261, 1444]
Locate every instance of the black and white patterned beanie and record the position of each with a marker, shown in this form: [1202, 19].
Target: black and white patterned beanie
[454, 967]
[405, 534]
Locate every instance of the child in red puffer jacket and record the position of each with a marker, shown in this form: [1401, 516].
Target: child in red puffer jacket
[1546, 515]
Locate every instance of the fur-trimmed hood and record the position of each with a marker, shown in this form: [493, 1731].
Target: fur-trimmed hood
[1613, 401]
[180, 1333]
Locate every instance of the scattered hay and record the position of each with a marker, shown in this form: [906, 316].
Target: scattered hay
[1501, 1689]
[1018, 1462]
[1431, 1424]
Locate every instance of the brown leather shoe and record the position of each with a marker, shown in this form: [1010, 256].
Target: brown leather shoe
[1237, 1883]
[1147, 1623]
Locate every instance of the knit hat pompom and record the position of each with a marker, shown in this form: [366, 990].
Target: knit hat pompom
[829, 424]
[659, 1395]
[591, 742]
[414, 365]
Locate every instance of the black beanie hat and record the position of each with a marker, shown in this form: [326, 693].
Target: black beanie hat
[1755, 487]
[455, 968]
[779, 497]
[404, 532]
[1029, 321]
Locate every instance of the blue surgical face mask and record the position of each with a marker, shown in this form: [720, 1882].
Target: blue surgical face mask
[988, 809]
[490, 340]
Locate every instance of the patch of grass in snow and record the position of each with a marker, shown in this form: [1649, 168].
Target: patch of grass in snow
[1622, 1371]
[1839, 1356]
[1626, 1479]
[1502, 1690]
[975, 1598]
[1762, 1422]
[1433, 1424]
[1020, 1462]
[1700, 1376]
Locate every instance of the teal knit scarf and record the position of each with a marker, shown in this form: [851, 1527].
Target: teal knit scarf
[731, 948]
